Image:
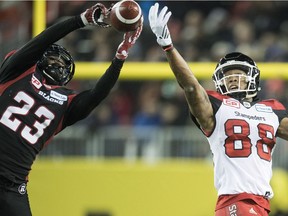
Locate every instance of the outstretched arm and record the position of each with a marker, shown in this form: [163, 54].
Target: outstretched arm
[195, 94]
[282, 131]
[32, 51]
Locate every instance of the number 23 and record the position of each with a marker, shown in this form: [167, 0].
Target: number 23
[9, 120]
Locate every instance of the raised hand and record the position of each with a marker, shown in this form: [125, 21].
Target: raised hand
[158, 24]
[129, 40]
[95, 16]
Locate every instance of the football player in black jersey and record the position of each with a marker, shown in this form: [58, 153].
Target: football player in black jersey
[240, 127]
[35, 104]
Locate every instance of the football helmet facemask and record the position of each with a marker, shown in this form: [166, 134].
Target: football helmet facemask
[237, 60]
[57, 65]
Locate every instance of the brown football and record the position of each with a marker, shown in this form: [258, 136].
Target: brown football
[125, 15]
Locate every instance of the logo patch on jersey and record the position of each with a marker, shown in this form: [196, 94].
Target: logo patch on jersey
[22, 188]
[231, 102]
[252, 211]
[36, 82]
[268, 194]
[50, 98]
[246, 104]
[263, 108]
[58, 96]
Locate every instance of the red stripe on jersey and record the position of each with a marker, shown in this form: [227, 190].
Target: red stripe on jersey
[217, 95]
[10, 54]
[7, 84]
[276, 105]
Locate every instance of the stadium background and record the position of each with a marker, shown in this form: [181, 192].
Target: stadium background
[138, 154]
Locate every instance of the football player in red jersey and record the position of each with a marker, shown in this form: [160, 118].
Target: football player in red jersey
[240, 127]
[35, 104]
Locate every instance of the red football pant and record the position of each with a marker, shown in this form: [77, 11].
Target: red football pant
[242, 208]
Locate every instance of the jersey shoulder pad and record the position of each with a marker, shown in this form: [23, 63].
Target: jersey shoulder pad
[275, 104]
[216, 95]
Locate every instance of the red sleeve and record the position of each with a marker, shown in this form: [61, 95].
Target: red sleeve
[275, 104]
[278, 108]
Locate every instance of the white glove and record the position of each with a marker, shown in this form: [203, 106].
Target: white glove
[158, 24]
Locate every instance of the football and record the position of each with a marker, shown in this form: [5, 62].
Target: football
[125, 16]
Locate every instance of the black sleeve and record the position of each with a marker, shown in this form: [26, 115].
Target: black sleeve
[31, 52]
[83, 104]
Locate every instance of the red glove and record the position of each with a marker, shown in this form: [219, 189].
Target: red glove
[128, 41]
[95, 16]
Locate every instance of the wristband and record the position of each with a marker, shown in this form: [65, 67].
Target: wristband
[167, 48]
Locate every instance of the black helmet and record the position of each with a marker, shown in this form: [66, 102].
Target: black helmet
[237, 60]
[54, 73]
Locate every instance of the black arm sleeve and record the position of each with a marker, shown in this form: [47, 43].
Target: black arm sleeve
[83, 104]
[31, 52]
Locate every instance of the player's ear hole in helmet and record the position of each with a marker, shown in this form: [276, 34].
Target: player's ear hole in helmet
[232, 61]
[56, 65]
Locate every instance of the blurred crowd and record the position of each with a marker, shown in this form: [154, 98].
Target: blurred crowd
[201, 30]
